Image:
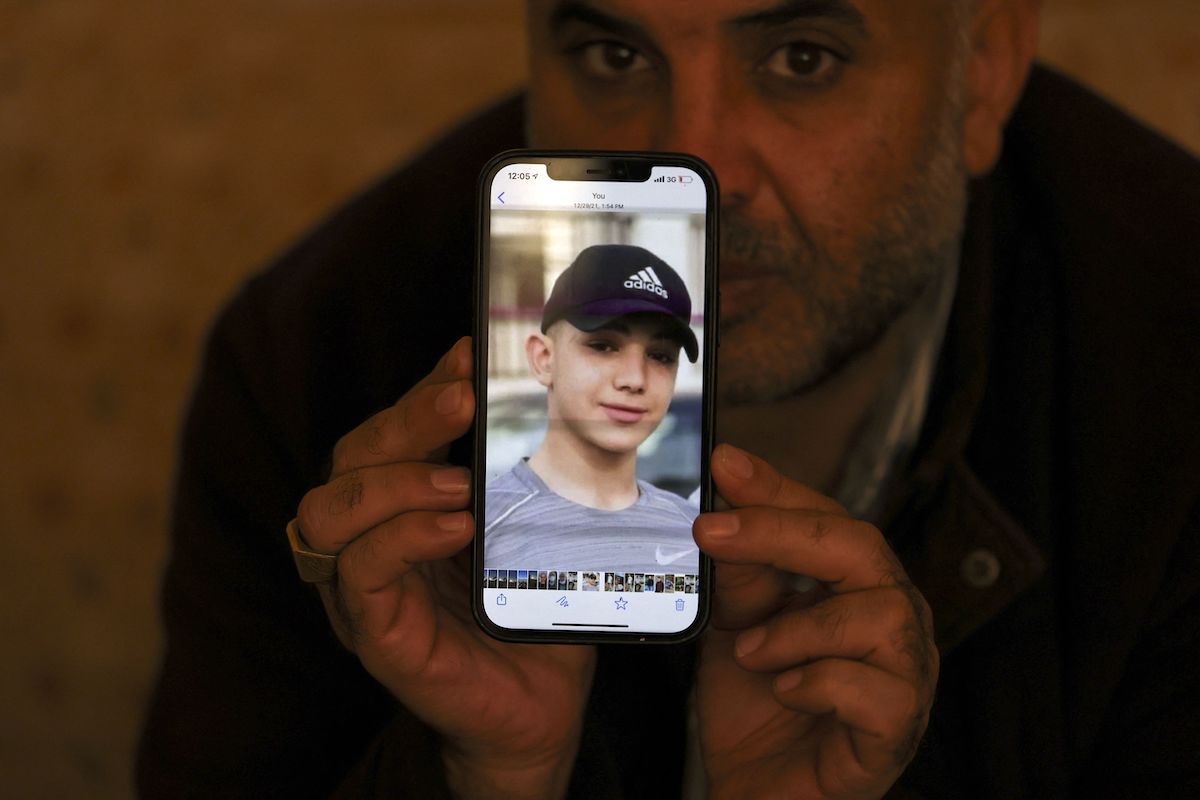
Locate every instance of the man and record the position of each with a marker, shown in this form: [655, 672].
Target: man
[607, 355]
[1039, 489]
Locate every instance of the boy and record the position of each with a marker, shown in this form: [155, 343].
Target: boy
[608, 354]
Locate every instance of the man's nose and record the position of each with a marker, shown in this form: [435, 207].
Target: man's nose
[705, 115]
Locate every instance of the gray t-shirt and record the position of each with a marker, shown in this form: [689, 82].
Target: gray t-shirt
[528, 526]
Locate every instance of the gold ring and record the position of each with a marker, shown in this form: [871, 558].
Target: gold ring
[313, 567]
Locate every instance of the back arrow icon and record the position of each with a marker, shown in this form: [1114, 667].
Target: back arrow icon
[500, 197]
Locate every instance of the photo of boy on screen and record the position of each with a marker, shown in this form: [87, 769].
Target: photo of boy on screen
[607, 354]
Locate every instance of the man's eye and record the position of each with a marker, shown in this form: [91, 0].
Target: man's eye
[601, 346]
[608, 59]
[804, 62]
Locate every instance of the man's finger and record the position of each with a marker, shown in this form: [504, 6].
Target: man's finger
[379, 594]
[885, 714]
[334, 514]
[749, 594]
[844, 553]
[374, 561]
[455, 364]
[429, 416]
[879, 627]
[746, 480]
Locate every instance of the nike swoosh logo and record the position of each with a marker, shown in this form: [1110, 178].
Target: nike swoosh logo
[665, 560]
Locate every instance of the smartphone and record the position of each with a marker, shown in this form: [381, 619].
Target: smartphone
[595, 341]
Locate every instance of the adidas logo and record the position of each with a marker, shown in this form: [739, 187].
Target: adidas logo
[647, 280]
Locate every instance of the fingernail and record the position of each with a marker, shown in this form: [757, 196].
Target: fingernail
[450, 479]
[736, 462]
[719, 524]
[450, 399]
[454, 523]
[789, 680]
[750, 641]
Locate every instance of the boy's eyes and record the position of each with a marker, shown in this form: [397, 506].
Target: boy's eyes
[662, 356]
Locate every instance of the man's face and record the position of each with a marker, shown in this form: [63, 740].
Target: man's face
[834, 127]
[611, 387]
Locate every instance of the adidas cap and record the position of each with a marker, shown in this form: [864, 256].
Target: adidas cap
[608, 281]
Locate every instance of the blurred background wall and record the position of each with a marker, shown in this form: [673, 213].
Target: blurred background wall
[152, 154]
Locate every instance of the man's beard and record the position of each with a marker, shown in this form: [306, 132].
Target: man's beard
[817, 312]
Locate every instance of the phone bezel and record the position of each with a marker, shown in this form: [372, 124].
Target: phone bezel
[604, 165]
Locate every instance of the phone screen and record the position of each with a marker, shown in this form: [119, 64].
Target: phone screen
[594, 361]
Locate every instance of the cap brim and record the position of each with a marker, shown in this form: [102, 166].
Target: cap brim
[596, 315]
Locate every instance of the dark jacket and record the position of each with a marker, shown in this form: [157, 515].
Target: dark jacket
[1050, 515]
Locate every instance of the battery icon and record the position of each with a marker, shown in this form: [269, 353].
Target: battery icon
[685, 178]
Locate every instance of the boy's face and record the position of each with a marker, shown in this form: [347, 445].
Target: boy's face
[609, 388]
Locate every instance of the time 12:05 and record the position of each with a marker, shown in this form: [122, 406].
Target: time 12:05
[522, 176]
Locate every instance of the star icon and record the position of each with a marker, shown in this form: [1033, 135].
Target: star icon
[621, 603]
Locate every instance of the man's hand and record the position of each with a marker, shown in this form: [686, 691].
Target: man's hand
[806, 694]
[510, 715]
